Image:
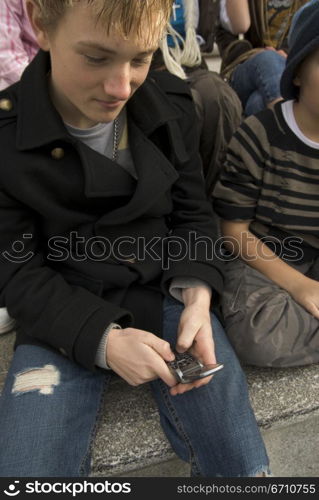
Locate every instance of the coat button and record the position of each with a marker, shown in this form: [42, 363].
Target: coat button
[6, 105]
[57, 153]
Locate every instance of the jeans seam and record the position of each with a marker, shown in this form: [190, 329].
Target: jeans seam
[179, 427]
[264, 87]
[259, 84]
[94, 428]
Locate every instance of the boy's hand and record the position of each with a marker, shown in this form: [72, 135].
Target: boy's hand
[195, 335]
[139, 356]
[306, 293]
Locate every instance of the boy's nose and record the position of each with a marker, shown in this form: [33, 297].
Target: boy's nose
[118, 86]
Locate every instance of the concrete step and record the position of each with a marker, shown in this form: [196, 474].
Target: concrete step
[130, 441]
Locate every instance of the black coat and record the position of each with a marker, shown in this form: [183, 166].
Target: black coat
[54, 186]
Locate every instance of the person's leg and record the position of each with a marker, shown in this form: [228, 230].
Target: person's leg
[48, 414]
[261, 72]
[212, 427]
[255, 103]
[263, 322]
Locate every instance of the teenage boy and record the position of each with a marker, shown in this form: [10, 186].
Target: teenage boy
[268, 199]
[101, 187]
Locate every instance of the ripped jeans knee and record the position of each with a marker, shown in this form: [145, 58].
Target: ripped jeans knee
[43, 380]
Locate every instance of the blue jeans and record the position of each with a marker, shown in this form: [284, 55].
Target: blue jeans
[49, 434]
[257, 80]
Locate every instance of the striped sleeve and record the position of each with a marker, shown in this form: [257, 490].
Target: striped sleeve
[238, 188]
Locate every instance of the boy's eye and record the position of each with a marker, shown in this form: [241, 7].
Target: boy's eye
[140, 62]
[95, 60]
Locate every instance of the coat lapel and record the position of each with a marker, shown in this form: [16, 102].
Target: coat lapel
[155, 176]
[102, 176]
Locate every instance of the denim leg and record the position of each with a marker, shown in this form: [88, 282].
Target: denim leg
[213, 427]
[254, 104]
[262, 72]
[48, 414]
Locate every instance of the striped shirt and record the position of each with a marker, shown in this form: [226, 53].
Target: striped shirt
[271, 178]
[17, 41]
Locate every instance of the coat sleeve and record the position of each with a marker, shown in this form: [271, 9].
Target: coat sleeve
[44, 305]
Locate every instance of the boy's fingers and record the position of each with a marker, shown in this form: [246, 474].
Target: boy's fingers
[162, 347]
[182, 388]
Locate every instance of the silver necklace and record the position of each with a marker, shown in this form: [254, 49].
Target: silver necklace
[115, 140]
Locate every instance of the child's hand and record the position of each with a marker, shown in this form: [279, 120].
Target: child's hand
[306, 293]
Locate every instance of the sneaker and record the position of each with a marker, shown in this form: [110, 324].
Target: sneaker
[6, 323]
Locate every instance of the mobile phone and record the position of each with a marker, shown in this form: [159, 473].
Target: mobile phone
[187, 369]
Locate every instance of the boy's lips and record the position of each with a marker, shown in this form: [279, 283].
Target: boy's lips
[109, 104]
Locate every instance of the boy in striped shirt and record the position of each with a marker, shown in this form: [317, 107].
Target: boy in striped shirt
[268, 199]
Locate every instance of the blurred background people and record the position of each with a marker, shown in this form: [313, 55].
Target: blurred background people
[254, 64]
[218, 108]
[17, 42]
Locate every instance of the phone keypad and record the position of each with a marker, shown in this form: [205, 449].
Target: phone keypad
[184, 361]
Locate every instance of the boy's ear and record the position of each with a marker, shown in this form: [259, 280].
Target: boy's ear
[298, 74]
[40, 32]
[297, 80]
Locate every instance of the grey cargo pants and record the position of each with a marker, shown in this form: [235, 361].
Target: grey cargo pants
[264, 324]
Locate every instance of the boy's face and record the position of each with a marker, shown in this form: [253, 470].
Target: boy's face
[93, 74]
[308, 81]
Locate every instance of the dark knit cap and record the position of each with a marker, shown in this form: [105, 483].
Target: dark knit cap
[303, 39]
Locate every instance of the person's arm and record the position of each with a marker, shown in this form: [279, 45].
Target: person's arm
[196, 295]
[147, 353]
[236, 197]
[195, 332]
[139, 356]
[238, 14]
[259, 256]
[69, 318]
[192, 222]
[13, 55]
[51, 310]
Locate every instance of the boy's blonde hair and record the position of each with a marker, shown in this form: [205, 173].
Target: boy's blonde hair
[126, 16]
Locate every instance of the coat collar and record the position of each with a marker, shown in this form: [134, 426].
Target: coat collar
[39, 123]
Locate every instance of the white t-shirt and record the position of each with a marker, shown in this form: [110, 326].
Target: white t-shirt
[289, 116]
